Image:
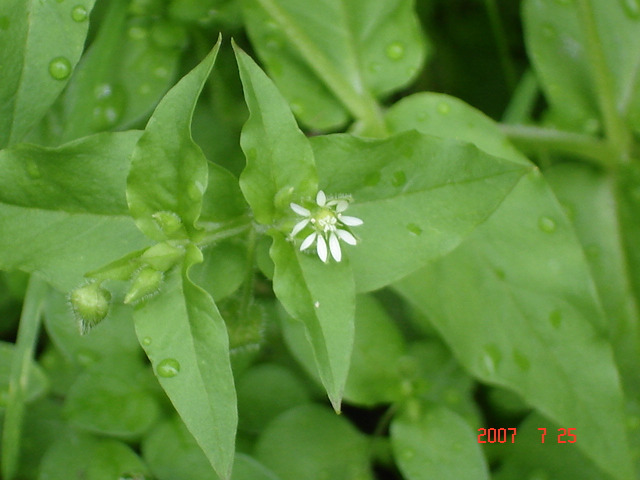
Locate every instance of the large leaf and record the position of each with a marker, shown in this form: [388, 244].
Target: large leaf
[332, 58]
[40, 42]
[419, 197]
[168, 175]
[121, 77]
[280, 164]
[194, 371]
[322, 296]
[63, 210]
[436, 443]
[558, 43]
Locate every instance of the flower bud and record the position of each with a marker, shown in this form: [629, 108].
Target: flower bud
[170, 223]
[145, 283]
[90, 305]
[163, 256]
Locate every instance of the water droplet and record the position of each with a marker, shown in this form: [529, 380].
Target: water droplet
[316, 304]
[408, 454]
[632, 7]
[546, 224]
[372, 179]
[444, 108]
[555, 318]
[521, 361]
[32, 169]
[395, 51]
[549, 31]
[60, 68]
[167, 368]
[414, 229]
[146, 341]
[79, 13]
[491, 358]
[4, 22]
[137, 32]
[109, 107]
[375, 67]
[399, 179]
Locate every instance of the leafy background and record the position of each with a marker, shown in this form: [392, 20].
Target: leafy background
[491, 149]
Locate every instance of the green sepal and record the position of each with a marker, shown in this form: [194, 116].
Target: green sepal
[90, 304]
[163, 256]
[145, 284]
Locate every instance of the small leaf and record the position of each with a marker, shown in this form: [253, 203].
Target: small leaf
[195, 371]
[436, 443]
[168, 173]
[39, 45]
[280, 165]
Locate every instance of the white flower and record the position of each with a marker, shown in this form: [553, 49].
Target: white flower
[328, 222]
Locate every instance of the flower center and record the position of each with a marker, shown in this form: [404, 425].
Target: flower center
[325, 220]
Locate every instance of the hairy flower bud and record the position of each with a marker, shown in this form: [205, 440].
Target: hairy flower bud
[90, 304]
[145, 283]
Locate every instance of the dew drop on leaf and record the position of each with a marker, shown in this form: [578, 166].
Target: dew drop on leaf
[146, 341]
[395, 51]
[546, 224]
[4, 22]
[444, 108]
[414, 229]
[79, 13]
[168, 368]
[555, 318]
[491, 358]
[399, 179]
[521, 361]
[60, 68]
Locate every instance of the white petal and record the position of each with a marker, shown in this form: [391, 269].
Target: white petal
[299, 210]
[299, 226]
[346, 236]
[341, 206]
[334, 246]
[307, 242]
[350, 221]
[322, 248]
[321, 198]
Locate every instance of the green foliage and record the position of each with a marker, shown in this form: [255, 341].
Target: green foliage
[212, 252]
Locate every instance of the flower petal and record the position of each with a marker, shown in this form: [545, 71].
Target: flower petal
[346, 237]
[334, 246]
[350, 221]
[299, 226]
[307, 242]
[321, 198]
[300, 210]
[341, 206]
[322, 248]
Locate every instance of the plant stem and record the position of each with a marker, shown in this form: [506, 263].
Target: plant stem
[616, 130]
[221, 231]
[19, 376]
[501, 42]
[592, 149]
[247, 287]
[523, 101]
[359, 101]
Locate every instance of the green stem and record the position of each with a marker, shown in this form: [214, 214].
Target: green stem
[19, 376]
[616, 130]
[523, 101]
[247, 287]
[501, 42]
[539, 139]
[362, 105]
[216, 232]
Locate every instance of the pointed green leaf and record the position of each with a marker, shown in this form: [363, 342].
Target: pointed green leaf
[322, 296]
[332, 58]
[40, 42]
[168, 174]
[185, 338]
[280, 164]
[419, 197]
[63, 210]
[436, 443]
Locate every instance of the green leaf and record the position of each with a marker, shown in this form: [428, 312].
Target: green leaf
[419, 197]
[65, 207]
[37, 383]
[223, 269]
[195, 371]
[531, 322]
[120, 78]
[40, 42]
[90, 458]
[322, 297]
[436, 443]
[280, 166]
[332, 58]
[222, 201]
[327, 446]
[168, 175]
[558, 45]
[95, 401]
